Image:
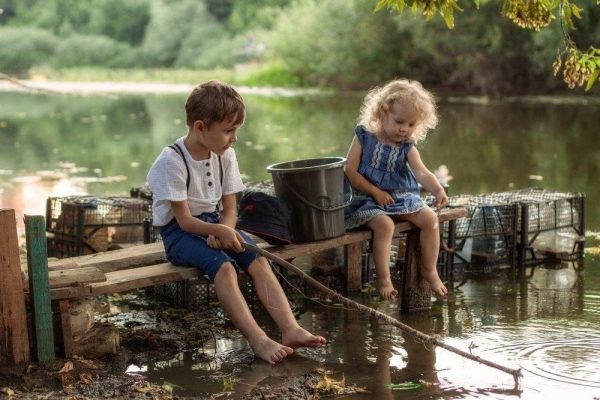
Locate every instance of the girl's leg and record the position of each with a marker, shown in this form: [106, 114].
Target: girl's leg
[383, 231]
[427, 221]
[271, 295]
[233, 303]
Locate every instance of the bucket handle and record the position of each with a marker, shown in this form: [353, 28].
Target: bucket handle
[310, 204]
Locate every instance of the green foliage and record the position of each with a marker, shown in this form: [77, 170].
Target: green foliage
[21, 48]
[89, 50]
[275, 74]
[62, 17]
[124, 21]
[252, 14]
[170, 24]
[580, 66]
[331, 42]
[120, 20]
[209, 45]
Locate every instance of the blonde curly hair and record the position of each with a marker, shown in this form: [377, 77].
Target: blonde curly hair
[379, 101]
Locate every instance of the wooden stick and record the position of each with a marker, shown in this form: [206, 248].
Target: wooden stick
[14, 337]
[516, 373]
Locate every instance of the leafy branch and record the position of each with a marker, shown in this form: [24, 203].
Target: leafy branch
[579, 67]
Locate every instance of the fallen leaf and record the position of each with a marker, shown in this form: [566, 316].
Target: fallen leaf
[7, 391]
[66, 368]
[86, 378]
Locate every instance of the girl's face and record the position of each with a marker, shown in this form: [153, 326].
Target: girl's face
[400, 122]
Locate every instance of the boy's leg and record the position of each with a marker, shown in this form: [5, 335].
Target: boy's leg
[271, 295]
[233, 303]
[429, 239]
[383, 232]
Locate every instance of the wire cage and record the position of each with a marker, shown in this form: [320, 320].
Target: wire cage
[487, 235]
[89, 224]
[550, 225]
[141, 192]
[519, 227]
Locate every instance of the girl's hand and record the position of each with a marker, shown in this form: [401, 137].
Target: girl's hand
[383, 198]
[226, 238]
[441, 199]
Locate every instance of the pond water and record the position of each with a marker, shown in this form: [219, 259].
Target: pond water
[547, 323]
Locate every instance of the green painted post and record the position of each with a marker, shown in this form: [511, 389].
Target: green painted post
[39, 287]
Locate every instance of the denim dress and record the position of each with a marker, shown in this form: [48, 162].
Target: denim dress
[385, 166]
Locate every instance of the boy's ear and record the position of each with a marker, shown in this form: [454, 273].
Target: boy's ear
[199, 125]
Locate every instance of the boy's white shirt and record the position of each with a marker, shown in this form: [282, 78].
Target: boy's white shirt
[167, 180]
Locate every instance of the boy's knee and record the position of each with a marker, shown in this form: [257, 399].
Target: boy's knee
[260, 264]
[226, 272]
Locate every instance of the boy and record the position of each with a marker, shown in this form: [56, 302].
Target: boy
[194, 185]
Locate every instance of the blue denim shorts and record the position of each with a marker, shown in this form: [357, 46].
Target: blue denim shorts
[189, 250]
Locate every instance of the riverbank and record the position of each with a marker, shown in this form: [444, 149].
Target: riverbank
[88, 88]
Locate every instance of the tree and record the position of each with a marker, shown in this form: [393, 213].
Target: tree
[578, 66]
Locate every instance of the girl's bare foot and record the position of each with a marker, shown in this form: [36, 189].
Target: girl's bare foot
[386, 289]
[436, 283]
[269, 350]
[300, 337]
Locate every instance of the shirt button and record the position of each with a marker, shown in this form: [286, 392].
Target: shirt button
[207, 164]
[208, 174]
[209, 183]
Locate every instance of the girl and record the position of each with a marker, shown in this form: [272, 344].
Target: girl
[384, 167]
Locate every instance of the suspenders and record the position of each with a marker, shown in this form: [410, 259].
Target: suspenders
[175, 147]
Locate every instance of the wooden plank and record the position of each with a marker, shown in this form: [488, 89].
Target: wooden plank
[39, 287]
[153, 253]
[302, 249]
[72, 292]
[78, 276]
[128, 279]
[14, 337]
[354, 267]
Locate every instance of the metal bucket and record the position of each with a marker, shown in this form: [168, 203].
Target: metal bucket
[313, 189]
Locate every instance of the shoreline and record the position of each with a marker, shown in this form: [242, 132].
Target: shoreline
[113, 87]
[110, 88]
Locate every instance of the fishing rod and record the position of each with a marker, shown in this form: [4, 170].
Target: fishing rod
[516, 373]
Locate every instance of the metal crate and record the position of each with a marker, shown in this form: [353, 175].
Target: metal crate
[487, 235]
[550, 225]
[88, 224]
[519, 227]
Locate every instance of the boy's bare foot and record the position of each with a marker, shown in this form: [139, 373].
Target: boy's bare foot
[300, 337]
[269, 350]
[436, 283]
[386, 289]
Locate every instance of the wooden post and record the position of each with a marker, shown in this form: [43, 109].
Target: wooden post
[65, 320]
[353, 266]
[415, 292]
[14, 337]
[39, 287]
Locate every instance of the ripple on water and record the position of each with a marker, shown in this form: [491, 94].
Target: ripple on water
[572, 361]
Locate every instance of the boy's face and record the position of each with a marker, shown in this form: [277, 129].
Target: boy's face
[400, 122]
[219, 136]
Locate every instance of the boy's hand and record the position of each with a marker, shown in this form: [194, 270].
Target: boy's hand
[441, 199]
[383, 198]
[226, 238]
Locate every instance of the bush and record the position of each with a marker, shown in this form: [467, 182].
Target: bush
[339, 42]
[271, 75]
[22, 48]
[90, 50]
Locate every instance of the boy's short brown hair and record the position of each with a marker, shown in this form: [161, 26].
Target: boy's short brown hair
[214, 101]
